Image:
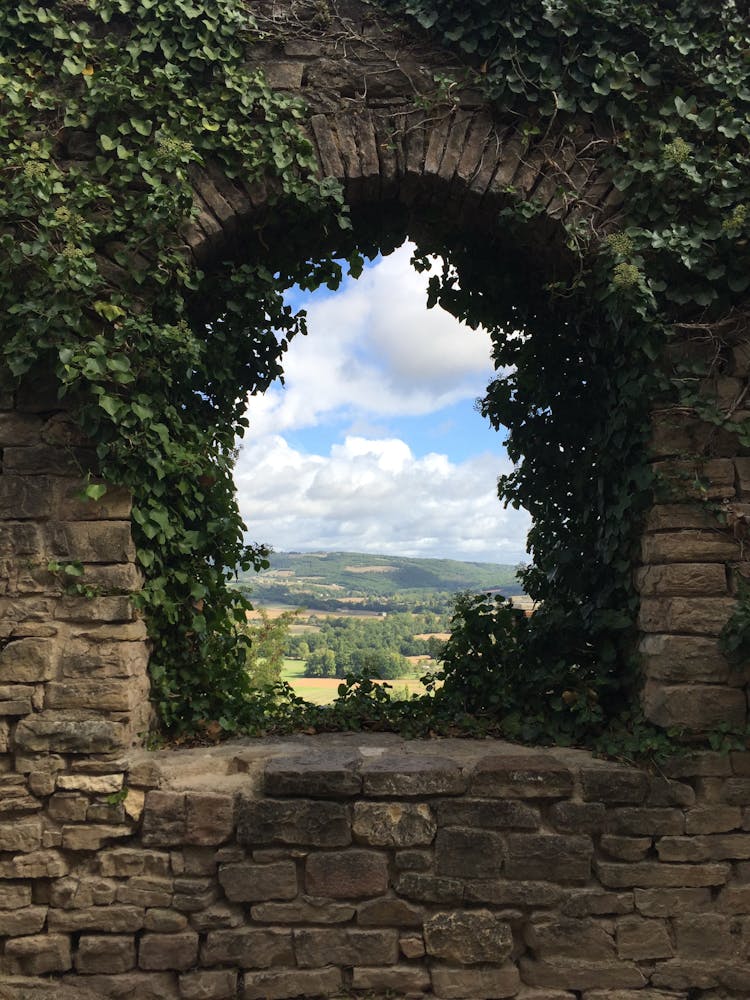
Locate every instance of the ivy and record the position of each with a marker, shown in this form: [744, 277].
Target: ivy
[107, 107]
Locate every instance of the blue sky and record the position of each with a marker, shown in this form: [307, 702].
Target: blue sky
[373, 444]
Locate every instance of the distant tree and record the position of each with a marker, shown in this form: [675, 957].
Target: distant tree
[268, 637]
[321, 663]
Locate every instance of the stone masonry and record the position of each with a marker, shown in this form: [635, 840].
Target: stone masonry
[459, 870]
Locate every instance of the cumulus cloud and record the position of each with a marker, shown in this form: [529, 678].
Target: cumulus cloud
[377, 496]
[374, 349]
[375, 354]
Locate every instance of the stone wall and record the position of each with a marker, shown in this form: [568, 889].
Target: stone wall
[449, 869]
[73, 655]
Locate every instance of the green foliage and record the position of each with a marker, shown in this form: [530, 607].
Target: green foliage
[376, 647]
[267, 642]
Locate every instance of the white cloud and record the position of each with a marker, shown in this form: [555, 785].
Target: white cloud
[374, 350]
[376, 496]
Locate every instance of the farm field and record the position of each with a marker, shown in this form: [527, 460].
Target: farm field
[322, 690]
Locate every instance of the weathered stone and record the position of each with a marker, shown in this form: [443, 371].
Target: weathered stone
[193, 894]
[70, 732]
[399, 979]
[24, 920]
[567, 973]
[292, 983]
[317, 947]
[249, 948]
[106, 919]
[22, 835]
[388, 913]
[412, 776]
[578, 817]
[470, 984]
[646, 822]
[126, 986]
[125, 862]
[168, 951]
[467, 853]
[569, 938]
[641, 939]
[146, 890]
[82, 892]
[39, 955]
[493, 814]
[305, 910]
[346, 875]
[28, 660]
[521, 777]
[556, 858]
[682, 579]
[13, 897]
[164, 819]
[614, 785]
[413, 861]
[695, 707]
[249, 883]
[164, 921]
[597, 903]
[709, 935]
[626, 848]
[736, 791]
[500, 892]
[101, 694]
[430, 888]
[92, 542]
[665, 792]
[105, 954]
[218, 916]
[393, 824]
[36, 864]
[468, 937]
[320, 777]
[734, 899]
[646, 875]
[670, 902]
[684, 659]
[220, 984]
[92, 838]
[209, 819]
[318, 824]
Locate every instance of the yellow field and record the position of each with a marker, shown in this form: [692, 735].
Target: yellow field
[322, 690]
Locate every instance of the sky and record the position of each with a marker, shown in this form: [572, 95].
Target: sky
[373, 443]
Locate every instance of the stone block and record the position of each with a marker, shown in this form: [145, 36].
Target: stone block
[164, 819]
[250, 948]
[707, 935]
[393, 824]
[86, 659]
[303, 822]
[104, 695]
[475, 984]
[468, 937]
[643, 940]
[21, 921]
[555, 858]
[407, 776]
[315, 947]
[691, 545]
[209, 819]
[465, 853]
[92, 837]
[81, 892]
[430, 888]
[160, 952]
[567, 937]
[670, 902]
[625, 848]
[125, 862]
[572, 974]
[13, 897]
[647, 875]
[249, 883]
[39, 954]
[102, 919]
[93, 784]
[597, 903]
[92, 542]
[397, 979]
[105, 954]
[146, 890]
[527, 776]
[164, 921]
[349, 874]
[20, 539]
[613, 784]
[696, 707]
[70, 732]
[194, 894]
[388, 912]
[28, 661]
[734, 899]
[578, 817]
[304, 910]
[635, 822]
[736, 791]
[288, 983]
[685, 659]
[219, 984]
[682, 580]
[687, 615]
[325, 778]
[492, 814]
[500, 892]
[218, 916]
[22, 835]
[23, 497]
[36, 864]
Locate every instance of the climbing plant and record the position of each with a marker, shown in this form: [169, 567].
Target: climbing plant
[106, 109]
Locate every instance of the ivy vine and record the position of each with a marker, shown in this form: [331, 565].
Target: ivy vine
[106, 108]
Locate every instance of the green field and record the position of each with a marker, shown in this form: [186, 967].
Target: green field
[322, 690]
